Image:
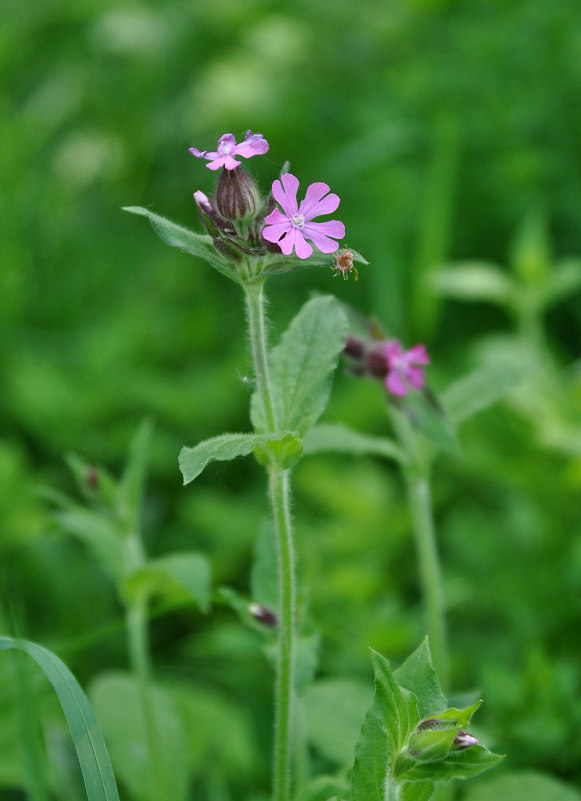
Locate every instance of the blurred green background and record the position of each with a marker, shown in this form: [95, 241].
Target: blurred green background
[451, 130]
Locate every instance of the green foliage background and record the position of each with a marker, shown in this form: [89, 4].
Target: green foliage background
[445, 126]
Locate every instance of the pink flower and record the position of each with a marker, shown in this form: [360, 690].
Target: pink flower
[292, 229]
[253, 145]
[401, 370]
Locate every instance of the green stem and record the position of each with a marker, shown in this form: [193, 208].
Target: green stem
[139, 656]
[279, 493]
[417, 478]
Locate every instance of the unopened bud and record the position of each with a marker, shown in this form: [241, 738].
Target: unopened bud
[237, 195]
[213, 221]
[263, 615]
[464, 740]
[354, 348]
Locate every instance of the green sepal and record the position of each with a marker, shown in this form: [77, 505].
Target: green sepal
[285, 452]
[432, 745]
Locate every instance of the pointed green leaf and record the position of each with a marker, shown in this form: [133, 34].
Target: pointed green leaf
[338, 438]
[426, 414]
[370, 767]
[192, 461]
[302, 365]
[118, 703]
[473, 281]
[458, 718]
[188, 241]
[523, 785]
[416, 791]
[481, 389]
[431, 745]
[179, 576]
[396, 708]
[99, 532]
[418, 676]
[457, 765]
[88, 741]
[132, 484]
[562, 282]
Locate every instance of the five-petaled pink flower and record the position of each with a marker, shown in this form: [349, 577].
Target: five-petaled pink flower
[253, 145]
[401, 369]
[294, 227]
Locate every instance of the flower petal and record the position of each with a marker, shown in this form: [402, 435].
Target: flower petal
[288, 201]
[418, 354]
[395, 384]
[230, 163]
[333, 228]
[321, 242]
[302, 247]
[253, 145]
[226, 142]
[276, 217]
[415, 376]
[215, 165]
[313, 197]
[272, 233]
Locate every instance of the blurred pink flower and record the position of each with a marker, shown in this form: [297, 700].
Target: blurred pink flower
[401, 370]
[253, 145]
[292, 229]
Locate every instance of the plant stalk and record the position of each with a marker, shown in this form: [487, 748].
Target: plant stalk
[279, 494]
[417, 479]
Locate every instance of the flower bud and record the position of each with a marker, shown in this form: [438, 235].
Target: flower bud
[464, 740]
[214, 223]
[237, 195]
[262, 614]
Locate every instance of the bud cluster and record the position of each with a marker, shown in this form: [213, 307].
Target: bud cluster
[386, 360]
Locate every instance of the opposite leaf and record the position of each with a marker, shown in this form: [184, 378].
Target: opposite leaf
[302, 364]
[192, 461]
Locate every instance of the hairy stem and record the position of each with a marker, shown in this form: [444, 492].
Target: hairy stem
[279, 494]
[140, 659]
[417, 478]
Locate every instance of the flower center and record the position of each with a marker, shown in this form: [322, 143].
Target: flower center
[298, 221]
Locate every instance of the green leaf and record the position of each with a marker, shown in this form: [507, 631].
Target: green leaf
[370, 767]
[481, 389]
[396, 708]
[457, 765]
[99, 532]
[338, 438]
[179, 576]
[188, 241]
[416, 791]
[474, 282]
[425, 413]
[418, 676]
[286, 452]
[302, 364]
[118, 705]
[431, 745]
[87, 739]
[132, 484]
[458, 718]
[192, 461]
[334, 708]
[523, 785]
[264, 571]
[563, 282]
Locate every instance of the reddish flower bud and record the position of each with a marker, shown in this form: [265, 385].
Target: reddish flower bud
[237, 195]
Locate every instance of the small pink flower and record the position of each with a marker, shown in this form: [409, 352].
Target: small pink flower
[292, 229]
[401, 370]
[253, 145]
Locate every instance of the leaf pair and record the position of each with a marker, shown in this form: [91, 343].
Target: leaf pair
[301, 369]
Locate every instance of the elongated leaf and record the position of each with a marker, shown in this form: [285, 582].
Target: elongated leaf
[396, 708]
[88, 741]
[132, 484]
[416, 791]
[474, 281]
[118, 702]
[370, 767]
[302, 364]
[188, 241]
[192, 461]
[334, 708]
[99, 532]
[524, 785]
[418, 676]
[481, 389]
[338, 438]
[183, 576]
[457, 765]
